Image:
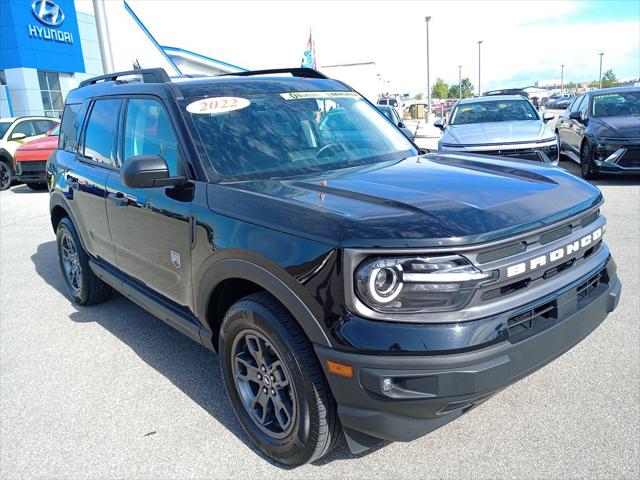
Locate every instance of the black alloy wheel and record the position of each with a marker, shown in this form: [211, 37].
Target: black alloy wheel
[262, 380]
[587, 168]
[5, 176]
[275, 383]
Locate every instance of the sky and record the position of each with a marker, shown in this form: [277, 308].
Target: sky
[523, 41]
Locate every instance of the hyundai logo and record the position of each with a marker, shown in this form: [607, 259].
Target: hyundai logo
[47, 12]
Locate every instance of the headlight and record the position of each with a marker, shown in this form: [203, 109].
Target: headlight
[418, 284]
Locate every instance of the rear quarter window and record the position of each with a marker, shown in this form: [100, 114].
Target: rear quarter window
[72, 119]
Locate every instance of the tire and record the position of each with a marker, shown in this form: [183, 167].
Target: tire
[37, 186]
[587, 169]
[83, 286]
[310, 427]
[6, 175]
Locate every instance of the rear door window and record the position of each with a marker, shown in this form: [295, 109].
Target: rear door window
[102, 126]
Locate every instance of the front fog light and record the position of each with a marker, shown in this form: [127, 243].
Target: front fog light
[418, 284]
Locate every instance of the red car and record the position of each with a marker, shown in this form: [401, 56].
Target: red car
[31, 160]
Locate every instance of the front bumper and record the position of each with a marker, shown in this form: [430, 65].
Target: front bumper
[31, 171]
[429, 391]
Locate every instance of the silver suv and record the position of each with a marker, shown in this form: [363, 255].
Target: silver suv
[504, 125]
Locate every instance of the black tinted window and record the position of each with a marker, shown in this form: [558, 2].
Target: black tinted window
[101, 131]
[576, 104]
[148, 131]
[70, 128]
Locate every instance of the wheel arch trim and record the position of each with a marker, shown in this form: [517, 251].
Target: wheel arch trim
[236, 268]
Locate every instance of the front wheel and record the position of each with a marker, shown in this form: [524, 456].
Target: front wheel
[275, 384]
[586, 163]
[6, 175]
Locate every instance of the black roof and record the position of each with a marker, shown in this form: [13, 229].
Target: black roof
[600, 91]
[155, 82]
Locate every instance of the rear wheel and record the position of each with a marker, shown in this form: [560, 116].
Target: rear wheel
[84, 287]
[275, 383]
[587, 167]
[6, 175]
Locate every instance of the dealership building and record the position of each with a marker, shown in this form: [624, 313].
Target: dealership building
[48, 47]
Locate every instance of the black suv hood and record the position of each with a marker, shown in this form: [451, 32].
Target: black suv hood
[627, 126]
[431, 200]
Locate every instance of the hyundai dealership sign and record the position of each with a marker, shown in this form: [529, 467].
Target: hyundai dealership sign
[42, 35]
[50, 14]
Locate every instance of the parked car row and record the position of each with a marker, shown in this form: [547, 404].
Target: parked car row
[599, 129]
[18, 150]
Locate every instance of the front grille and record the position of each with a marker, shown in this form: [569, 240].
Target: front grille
[587, 288]
[525, 154]
[555, 235]
[520, 324]
[33, 167]
[499, 253]
[631, 158]
[541, 317]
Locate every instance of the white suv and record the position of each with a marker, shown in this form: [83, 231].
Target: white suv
[15, 132]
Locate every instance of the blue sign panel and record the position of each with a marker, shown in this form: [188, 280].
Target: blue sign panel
[40, 34]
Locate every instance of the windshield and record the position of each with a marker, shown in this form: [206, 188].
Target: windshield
[4, 126]
[493, 111]
[283, 134]
[616, 104]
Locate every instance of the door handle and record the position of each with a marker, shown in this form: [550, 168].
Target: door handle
[119, 199]
[73, 182]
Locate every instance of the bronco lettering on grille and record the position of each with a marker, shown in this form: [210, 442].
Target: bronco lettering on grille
[555, 255]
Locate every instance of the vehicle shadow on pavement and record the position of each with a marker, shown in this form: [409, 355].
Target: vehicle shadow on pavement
[189, 366]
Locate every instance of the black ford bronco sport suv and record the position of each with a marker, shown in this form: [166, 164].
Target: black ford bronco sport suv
[350, 283]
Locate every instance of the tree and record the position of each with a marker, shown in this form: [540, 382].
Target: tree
[440, 89]
[467, 88]
[609, 79]
[570, 87]
[419, 96]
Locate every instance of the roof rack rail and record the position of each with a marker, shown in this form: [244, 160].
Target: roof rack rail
[149, 75]
[296, 72]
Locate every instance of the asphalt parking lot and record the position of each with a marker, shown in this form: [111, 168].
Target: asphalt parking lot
[109, 391]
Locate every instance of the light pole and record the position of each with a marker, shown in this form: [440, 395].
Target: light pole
[479, 90]
[459, 82]
[426, 21]
[561, 80]
[600, 76]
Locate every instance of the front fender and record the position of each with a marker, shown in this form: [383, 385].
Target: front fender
[282, 288]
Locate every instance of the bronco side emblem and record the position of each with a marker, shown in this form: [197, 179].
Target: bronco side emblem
[175, 259]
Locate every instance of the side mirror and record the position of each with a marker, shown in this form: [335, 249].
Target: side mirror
[575, 116]
[407, 133]
[148, 171]
[546, 116]
[401, 125]
[17, 136]
[439, 123]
